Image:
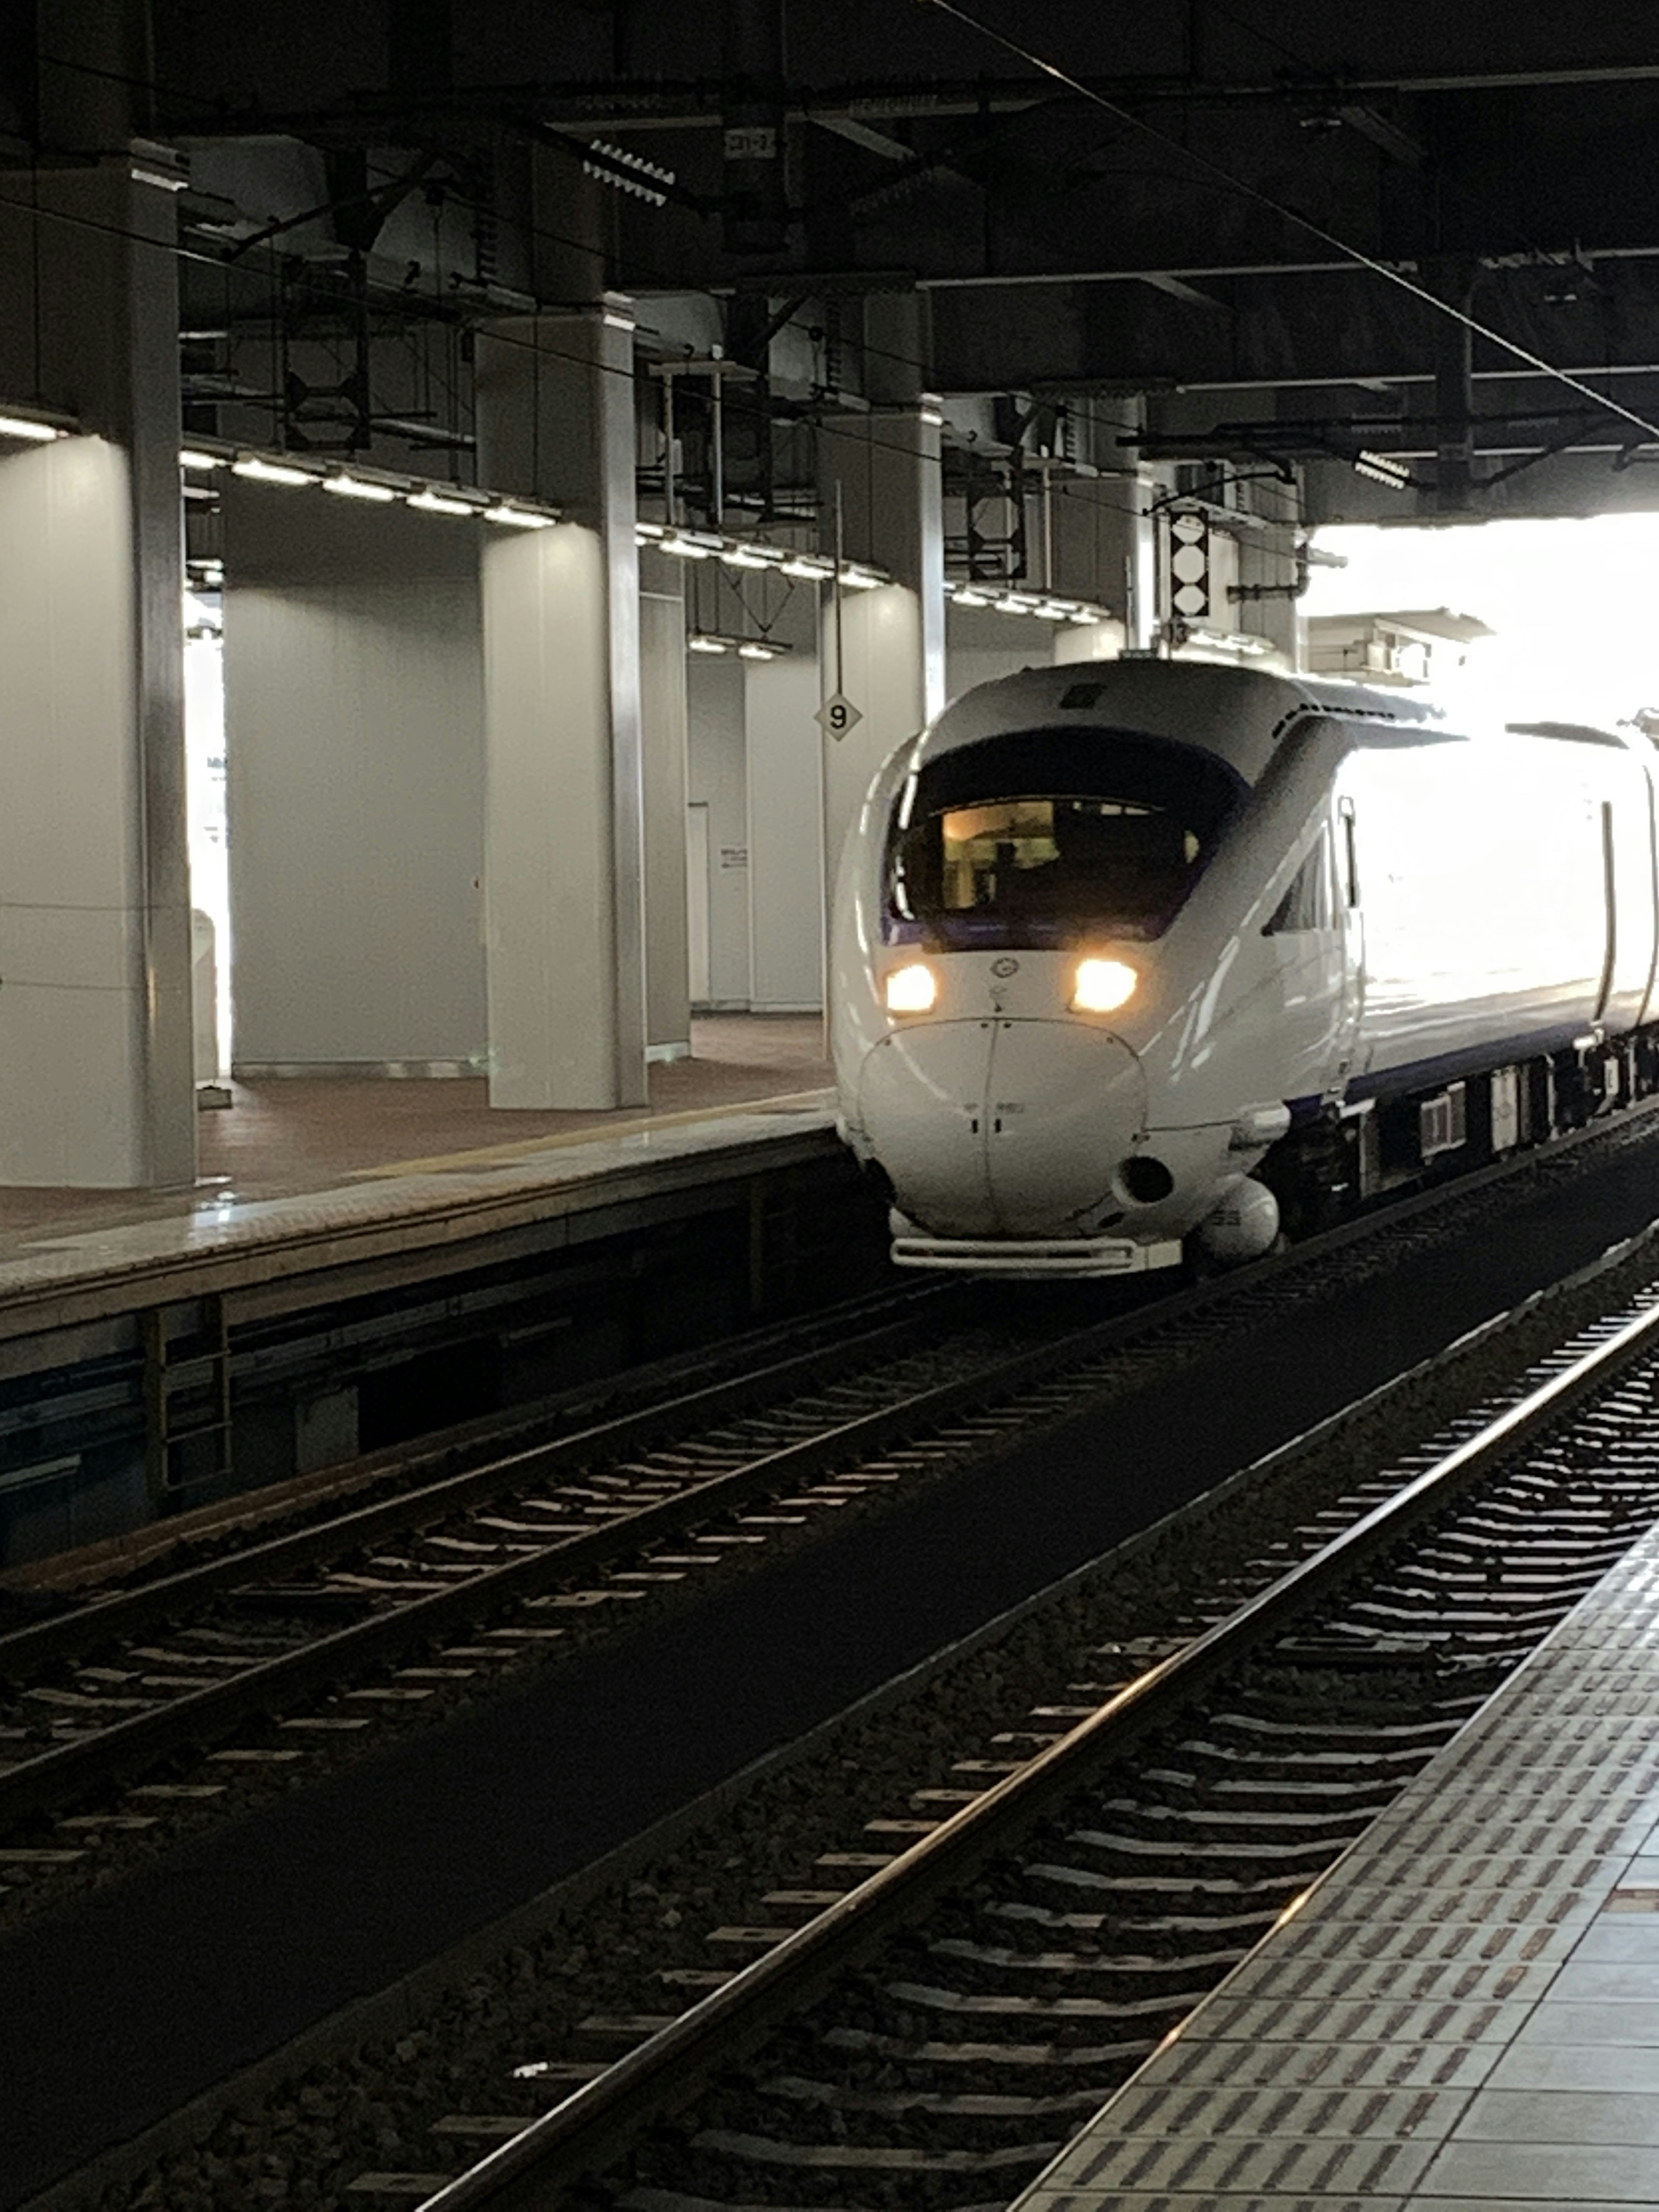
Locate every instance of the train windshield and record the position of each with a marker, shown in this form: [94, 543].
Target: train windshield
[1050, 837]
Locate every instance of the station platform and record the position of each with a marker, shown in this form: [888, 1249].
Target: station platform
[364, 1261]
[302, 1172]
[1463, 2014]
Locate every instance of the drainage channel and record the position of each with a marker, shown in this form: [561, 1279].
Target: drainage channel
[928, 2035]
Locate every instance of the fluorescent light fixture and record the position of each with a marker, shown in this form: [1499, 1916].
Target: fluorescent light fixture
[437, 503]
[859, 579]
[810, 566]
[162, 183]
[517, 517]
[619, 158]
[932, 418]
[648, 532]
[19, 425]
[1012, 603]
[750, 556]
[706, 644]
[613, 321]
[191, 458]
[752, 649]
[1052, 610]
[263, 472]
[686, 549]
[967, 597]
[1383, 468]
[358, 488]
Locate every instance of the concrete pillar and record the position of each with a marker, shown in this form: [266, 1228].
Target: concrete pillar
[786, 856]
[664, 718]
[884, 648]
[95, 1051]
[1104, 550]
[564, 870]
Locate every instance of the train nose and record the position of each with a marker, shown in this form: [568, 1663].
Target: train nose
[1001, 1128]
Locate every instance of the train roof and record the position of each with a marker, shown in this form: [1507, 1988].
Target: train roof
[1238, 713]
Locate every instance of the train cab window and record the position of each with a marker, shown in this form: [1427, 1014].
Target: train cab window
[1307, 903]
[1048, 836]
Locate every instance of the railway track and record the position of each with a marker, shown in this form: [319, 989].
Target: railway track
[929, 2034]
[309, 1638]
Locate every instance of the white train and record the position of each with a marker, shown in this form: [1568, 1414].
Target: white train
[1133, 952]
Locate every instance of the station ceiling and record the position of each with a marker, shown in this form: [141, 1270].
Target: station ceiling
[1246, 213]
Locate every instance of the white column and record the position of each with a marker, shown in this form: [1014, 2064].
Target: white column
[564, 868]
[662, 711]
[891, 662]
[96, 1086]
[786, 862]
[1103, 550]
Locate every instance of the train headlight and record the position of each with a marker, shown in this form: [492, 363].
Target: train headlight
[911, 989]
[1102, 986]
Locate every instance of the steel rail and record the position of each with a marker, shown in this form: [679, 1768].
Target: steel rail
[24, 1651]
[665, 2072]
[57, 1777]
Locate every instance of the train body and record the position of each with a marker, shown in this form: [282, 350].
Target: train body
[1130, 953]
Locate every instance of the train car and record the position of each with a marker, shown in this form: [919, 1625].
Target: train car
[1136, 958]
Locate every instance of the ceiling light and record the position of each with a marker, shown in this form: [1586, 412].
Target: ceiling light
[859, 580]
[648, 532]
[812, 565]
[1012, 603]
[518, 518]
[1383, 468]
[191, 458]
[19, 425]
[750, 556]
[436, 503]
[686, 549]
[706, 644]
[1052, 610]
[269, 471]
[358, 488]
[966, 597]
[753, 650]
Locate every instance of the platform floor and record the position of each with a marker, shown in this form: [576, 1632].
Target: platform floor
[295, 1157]
[1464, 2014]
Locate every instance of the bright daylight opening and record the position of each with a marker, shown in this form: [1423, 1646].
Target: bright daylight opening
[1571, 602]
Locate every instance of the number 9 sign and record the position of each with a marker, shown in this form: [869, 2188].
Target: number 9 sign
[837, 716]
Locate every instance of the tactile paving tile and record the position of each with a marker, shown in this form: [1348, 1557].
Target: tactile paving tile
[1332, 2066]
[1181, 2200]
[1322, 2166]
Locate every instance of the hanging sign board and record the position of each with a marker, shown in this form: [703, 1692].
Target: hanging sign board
[837, 716]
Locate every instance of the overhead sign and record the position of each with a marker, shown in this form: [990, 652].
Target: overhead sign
[837, 716]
